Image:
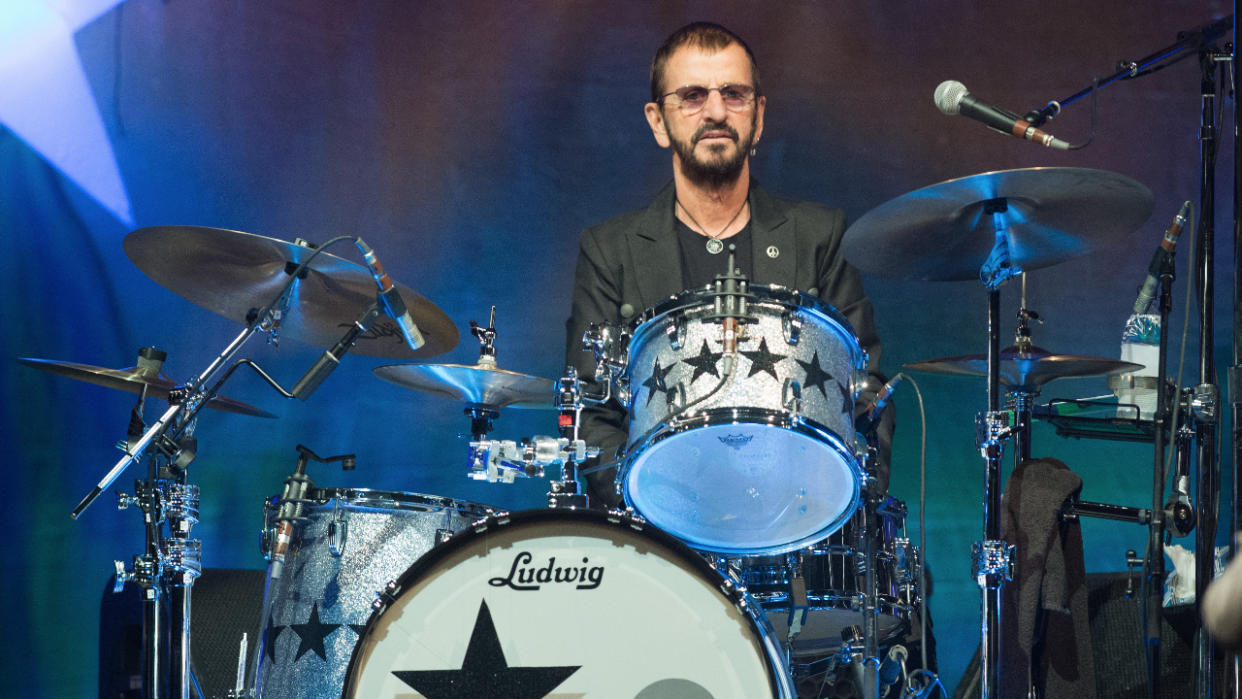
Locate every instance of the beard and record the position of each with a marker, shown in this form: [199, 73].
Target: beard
[719, 168]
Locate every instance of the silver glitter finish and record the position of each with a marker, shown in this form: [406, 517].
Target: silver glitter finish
[832, 574]
[353, 543]
[761, 461]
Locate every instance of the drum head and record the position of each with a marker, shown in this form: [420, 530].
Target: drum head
[564, 604]
[799, 486]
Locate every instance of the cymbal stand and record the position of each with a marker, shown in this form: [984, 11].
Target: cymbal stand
[992, 557]
[172, 561]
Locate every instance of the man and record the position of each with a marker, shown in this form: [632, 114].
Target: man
[707, 107]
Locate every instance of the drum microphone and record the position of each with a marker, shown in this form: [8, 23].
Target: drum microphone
[870, 418]
[892, 668]
[1163, 255]
[952, 98]
[390, 299]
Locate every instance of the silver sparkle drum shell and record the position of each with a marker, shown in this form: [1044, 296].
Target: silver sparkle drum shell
[616, 607]
[351, 543]
[832, 572]
[763, 462]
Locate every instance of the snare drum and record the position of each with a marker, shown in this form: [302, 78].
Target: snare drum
[566, 603]
[760, 461]
[832, 572]
[349, 545]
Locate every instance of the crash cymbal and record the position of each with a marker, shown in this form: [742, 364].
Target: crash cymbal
[1026, 371]
[235, 274]
[132, 379]
[480, 384]
[946, 231]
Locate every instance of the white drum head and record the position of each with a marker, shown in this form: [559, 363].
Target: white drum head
[799, 487]
[560, 605]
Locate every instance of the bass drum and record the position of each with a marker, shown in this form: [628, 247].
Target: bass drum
[347, 545]
[566, 603]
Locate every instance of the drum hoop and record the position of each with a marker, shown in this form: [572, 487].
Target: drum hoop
[763, 294]
[616, 519]
[737, 416]
[393, 500]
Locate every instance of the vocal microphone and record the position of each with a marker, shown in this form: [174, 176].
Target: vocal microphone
[390, 298]
[1147, 292]
[952, 98]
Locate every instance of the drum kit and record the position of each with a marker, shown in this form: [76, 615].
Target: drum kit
[755, 557]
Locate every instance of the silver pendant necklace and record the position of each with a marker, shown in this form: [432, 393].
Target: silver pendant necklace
[714, 245]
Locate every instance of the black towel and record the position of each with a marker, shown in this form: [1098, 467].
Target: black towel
[1045, 628]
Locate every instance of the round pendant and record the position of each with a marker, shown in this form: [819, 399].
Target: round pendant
[714, 246]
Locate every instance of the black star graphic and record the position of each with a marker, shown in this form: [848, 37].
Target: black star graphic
[484, 672]
[269, 642]
[705, 363]
[763, 360]
[815, 374]
[847, 399]
[655, 382]
[312, 633]
[358, 628]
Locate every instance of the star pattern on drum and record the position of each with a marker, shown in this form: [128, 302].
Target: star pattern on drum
[484, 671]
[763, 360]
[847, 399]
[656, 383]
[704, 363]
[815, 374]
[312, 633]
[269, 641]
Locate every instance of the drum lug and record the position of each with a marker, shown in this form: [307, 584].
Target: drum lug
[337, 530]
[791, 325]
[791, 400]
[676, 334]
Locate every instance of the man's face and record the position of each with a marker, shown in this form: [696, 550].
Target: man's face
[711, 144]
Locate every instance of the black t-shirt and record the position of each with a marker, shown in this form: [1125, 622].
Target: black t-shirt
[700, 266]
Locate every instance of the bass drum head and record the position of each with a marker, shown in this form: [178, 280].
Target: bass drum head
[743, 485]
[565, 604]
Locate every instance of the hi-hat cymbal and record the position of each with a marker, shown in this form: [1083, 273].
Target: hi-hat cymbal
[236, 274]
[945, 232]
[1026, 371]
[132, 379]
[480, 384]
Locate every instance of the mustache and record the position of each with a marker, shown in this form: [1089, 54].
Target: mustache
[698, 134]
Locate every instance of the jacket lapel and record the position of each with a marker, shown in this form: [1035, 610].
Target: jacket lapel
[654, 252]
[772, 240]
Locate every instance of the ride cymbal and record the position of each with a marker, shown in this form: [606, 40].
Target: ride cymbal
[946, 231]
[1026, 371]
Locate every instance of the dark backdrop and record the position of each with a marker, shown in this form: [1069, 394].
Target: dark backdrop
[468, 142]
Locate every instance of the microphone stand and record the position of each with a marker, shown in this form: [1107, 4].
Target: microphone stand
[1234, 384]
[1205, 402]
[1194, 39]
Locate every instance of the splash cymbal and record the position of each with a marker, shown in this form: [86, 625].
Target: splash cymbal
[479, 384]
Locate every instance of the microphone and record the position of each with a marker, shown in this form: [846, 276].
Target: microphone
[1147, 292]
[892, 668]
[870, 418]
[952, 98]
[390, 298]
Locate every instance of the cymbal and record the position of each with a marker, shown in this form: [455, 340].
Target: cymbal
[1026, 371]
[132, 379]
[235, 274]
[480, 384]
[946, 231]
